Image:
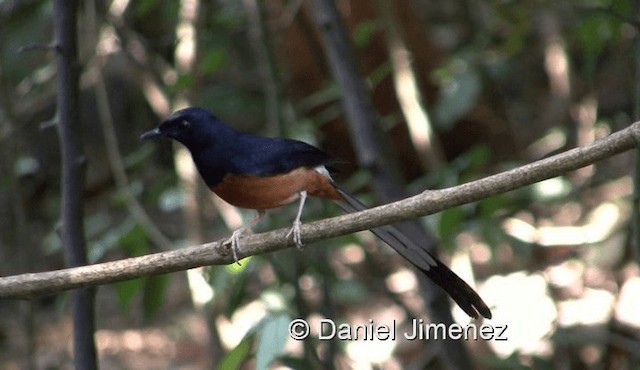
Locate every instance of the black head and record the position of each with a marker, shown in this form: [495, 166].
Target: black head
[191, 127]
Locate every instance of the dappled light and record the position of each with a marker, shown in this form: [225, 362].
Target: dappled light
[505, 129]
[521, 303]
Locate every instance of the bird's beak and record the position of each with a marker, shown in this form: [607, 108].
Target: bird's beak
[151, 134]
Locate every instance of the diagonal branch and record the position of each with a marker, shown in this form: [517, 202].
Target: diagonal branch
[429, 202]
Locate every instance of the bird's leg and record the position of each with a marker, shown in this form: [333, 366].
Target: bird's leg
[295, 229]
[234, 240]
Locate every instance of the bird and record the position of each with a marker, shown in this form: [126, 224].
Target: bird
[261, 173]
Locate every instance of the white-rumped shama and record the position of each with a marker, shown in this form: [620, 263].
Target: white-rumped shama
[261, 173]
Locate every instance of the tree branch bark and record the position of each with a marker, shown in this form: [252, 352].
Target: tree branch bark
[26, 286]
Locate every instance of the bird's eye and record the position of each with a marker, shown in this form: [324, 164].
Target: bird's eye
[185, 124]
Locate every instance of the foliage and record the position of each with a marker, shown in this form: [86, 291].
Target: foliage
[488, 79]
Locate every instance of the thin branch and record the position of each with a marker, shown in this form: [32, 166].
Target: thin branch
[259, 35]
[407, 89]
[37, 47]
[635, 213]
[429, 202]
[113, 148]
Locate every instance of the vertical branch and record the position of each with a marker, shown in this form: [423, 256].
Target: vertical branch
[635, 221]
[261, 43]
[364, 125]
[73, 163]
[408, 91]
[356, 101]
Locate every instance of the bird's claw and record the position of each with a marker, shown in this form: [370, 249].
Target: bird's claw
[296, 234]
[234, 241]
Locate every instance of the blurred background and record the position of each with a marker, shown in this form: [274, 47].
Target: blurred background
[463, 89]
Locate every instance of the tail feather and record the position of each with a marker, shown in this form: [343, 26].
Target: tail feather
[439, 273]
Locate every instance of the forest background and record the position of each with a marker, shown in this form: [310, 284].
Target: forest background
[458, 90]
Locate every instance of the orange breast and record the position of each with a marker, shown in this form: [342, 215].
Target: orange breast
[255, 192]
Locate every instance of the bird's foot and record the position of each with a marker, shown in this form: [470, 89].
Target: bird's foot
[234, 241]
[295, 233]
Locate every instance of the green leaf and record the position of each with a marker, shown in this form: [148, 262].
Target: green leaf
[144, 7]
[458, 94]
[134, 242]
[621, 7]
[364, 32]
[236, 290]
[155, 291]
[479, 155]
[126, 291]
[126, 236]
[184, 82]
[272, 338]
[213, 60]
[488, 207]
[238, 355]
[450, 221]
[596, 31]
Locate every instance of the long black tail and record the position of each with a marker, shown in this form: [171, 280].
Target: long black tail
[439, 273]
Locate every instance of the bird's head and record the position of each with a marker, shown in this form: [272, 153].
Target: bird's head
[190, 126]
